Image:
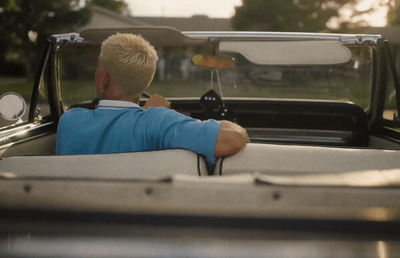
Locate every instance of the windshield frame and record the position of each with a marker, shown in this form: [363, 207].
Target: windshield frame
[214, 37]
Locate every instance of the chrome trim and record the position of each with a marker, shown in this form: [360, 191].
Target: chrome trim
[66, 38]
[20, 134]
[234, 35]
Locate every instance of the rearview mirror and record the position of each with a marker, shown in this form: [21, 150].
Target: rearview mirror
[209, 61]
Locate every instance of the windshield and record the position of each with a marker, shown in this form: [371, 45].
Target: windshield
[177, 77]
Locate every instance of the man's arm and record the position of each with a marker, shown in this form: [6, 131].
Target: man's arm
[231, 139]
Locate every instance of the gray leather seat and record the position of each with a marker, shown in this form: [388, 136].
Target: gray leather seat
[292, 159]
[136, 165]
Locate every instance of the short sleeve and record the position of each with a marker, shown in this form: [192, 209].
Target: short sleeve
[180, 131]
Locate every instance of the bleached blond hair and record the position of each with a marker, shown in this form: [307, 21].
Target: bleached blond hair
[130, 61]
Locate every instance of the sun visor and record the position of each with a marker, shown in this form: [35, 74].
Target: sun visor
[312, 52]
[156, 35]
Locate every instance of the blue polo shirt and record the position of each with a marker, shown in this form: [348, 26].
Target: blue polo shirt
[120, 126]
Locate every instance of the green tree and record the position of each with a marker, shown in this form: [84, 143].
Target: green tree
[295, 15]
[26, 24]
[393, 17]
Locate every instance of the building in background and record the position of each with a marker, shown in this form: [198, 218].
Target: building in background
[104, 18]
[392, 33]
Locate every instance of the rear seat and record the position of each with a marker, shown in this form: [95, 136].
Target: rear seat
[137, 165]
[290, 159]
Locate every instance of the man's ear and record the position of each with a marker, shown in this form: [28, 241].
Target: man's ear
[102, 80]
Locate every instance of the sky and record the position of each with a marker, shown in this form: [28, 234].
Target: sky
[216, 9]
[377, 18]
[184, 8]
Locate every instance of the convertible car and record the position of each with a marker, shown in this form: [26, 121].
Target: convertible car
[320, 176]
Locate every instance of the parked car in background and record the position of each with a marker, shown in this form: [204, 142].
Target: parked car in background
[320, 177]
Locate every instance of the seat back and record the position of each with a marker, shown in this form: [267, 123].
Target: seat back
[136, 165]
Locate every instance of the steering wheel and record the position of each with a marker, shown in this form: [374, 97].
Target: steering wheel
[146, 94]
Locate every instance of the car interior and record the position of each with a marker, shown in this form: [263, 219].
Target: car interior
[319, 177]
[284, 132]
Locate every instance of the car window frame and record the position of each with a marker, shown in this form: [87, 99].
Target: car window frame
[392, 75]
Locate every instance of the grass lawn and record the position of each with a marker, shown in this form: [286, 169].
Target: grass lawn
[16, 84]
[79, 91]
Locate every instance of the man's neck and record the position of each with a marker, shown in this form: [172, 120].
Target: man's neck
[112, 93]
[107, 103]
[123, 98]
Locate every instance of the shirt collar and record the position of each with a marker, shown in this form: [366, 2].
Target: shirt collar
[116, 104]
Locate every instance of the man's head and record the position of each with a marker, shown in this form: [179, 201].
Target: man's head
[128, 63]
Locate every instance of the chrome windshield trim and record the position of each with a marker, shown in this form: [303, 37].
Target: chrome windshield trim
[234, 35]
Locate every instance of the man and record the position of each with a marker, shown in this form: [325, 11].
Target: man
[125, 68]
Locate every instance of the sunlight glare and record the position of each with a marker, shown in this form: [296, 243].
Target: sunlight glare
[377, 17]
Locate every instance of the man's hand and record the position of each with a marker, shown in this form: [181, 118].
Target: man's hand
[157, 101]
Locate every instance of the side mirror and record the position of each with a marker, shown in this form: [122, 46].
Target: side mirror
[219, 62]
[12, 106]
